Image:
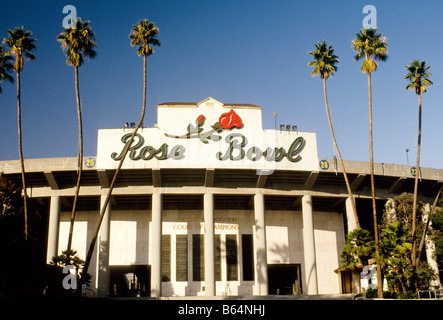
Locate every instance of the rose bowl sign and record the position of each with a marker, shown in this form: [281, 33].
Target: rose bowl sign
[226, 143]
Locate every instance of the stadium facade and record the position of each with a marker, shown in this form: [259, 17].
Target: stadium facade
[208, 203]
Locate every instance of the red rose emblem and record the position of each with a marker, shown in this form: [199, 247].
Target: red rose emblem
[200, 119]
[230, 120]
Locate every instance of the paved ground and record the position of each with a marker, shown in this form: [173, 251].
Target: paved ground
[270, 297]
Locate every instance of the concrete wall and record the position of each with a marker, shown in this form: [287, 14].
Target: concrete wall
[130, 234]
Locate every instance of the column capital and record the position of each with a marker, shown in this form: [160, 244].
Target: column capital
[259, 191]
[157, 191]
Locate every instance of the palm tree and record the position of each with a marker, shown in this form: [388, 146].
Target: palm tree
[5, 67]
[418, 80]
[324, 64]
[144, 36]
[394, 249]
[358, 249]
[20, 45]
[372, 48]
[77, 41]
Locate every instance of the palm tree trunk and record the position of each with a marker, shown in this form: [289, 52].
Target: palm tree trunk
[374, 206]
[414, 210]
[348, 186]
[114, 179]
[423, 237]
[403, 287]
[20, 151]
[80, 159]
[145, 71]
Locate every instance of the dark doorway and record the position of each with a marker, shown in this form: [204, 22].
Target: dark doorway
[346, 281]
[130, 281]
[365, 214]
[284, 279]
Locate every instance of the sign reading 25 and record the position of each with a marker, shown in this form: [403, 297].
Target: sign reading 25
[90, 162]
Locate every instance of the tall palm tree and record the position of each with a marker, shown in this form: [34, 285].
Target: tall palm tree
[20, 45]
[324, 64]
[372, 48]
[77, 41]
[417, 77]
[5, 67]
[144, 36]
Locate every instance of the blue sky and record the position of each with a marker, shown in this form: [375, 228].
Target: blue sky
[236, 52]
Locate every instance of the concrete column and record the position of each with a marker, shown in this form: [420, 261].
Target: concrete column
[156, 245]
[53, 228]
[309, 246]
[103, 271]
[208, 205]
[261, 271]
[350, 217]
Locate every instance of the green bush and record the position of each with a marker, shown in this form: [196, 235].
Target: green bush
[371, 293]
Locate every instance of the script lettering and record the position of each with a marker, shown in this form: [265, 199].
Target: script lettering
[234, 145]
[236, 150]
[148, 152]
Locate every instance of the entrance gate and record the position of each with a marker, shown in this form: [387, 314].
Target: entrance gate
[284, 279]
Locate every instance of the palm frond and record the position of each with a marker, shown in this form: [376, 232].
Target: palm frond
[144, 36]
[20, 44]
[370, 46]
[78, 42]
[325, 61]
[417, 76]
[5, 67]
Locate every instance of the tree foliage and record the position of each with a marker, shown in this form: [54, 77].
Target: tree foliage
[143, 35]
[358, 249]
[371, 47]
[68, 257]
[78, 42]
[5, 67]
[417, 76]
[10, 196]
[399, 209]
[325, 61]
[22, 269]
[395, 247]
[20, 46]
[437, 225]
[395, 252]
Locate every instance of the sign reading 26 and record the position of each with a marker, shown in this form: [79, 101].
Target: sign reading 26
[324, 165]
